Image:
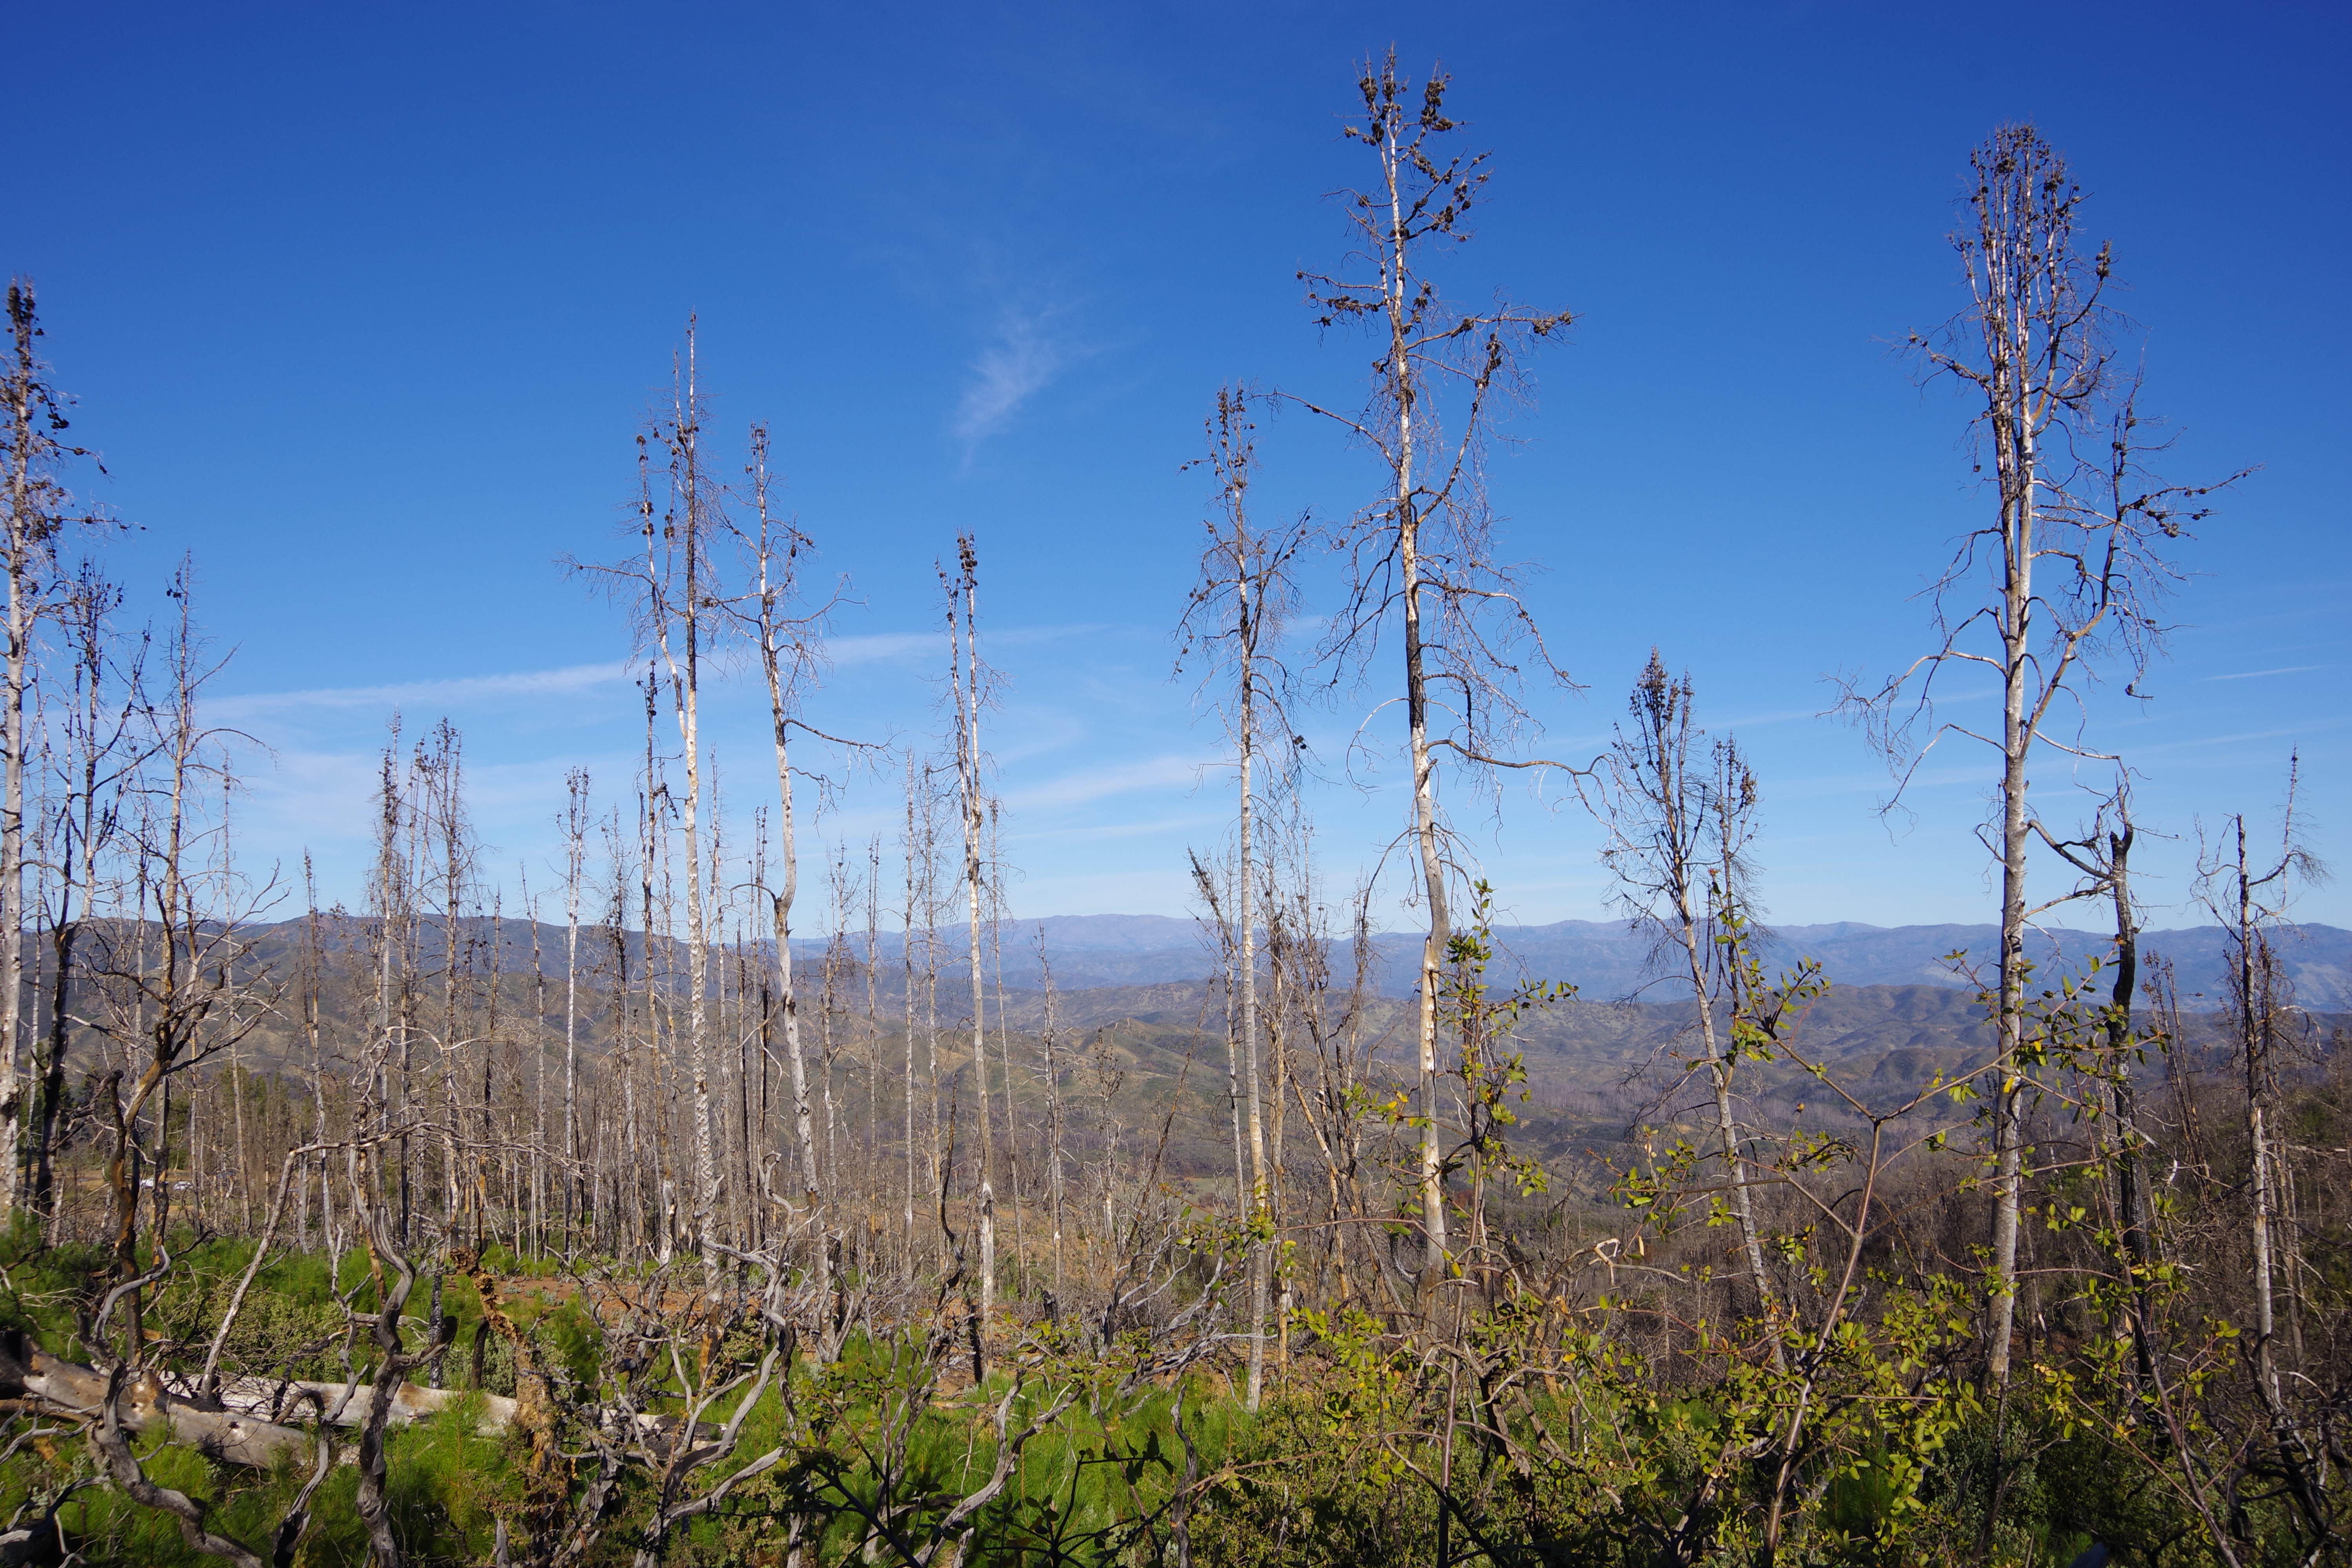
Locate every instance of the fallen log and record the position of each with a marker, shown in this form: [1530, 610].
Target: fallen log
[272, 1400]
[248, 1429]
[248, 1426]
[298, 1398]
[79, 1393]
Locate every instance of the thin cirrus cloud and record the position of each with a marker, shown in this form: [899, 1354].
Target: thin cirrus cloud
[459, 692]
[1025, 355]
[2258, 674]
[885, 646]
[456, 691]
[2244, 737]
[1145, 829]
[1097, 783]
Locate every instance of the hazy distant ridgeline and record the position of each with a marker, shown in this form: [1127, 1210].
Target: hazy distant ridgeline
[1895, 1017]
[1598, 1066]
[1604, 960]
[1607, 961]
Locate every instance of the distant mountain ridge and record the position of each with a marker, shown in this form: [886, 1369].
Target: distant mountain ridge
[1597, 1064]
[1605, 960]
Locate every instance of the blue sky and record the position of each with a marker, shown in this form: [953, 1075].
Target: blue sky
[363, 306]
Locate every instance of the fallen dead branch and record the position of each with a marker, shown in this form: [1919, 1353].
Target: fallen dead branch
[248, 1427]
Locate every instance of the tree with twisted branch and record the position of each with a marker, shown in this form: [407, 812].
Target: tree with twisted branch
[1420, 559]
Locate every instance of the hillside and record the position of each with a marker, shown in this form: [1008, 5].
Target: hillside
[1605, 960]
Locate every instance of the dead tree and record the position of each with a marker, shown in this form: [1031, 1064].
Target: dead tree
[1420, 558]
[997, 867]
[1300, 950]
[678, 595]
[907, 915]
[197, 995]
[874, 1197]
[99, 747]
[1679, 828]
[2247, 902]
[673, 594]
[1232, 628]
[575, 860]
[788, 638]
[970, 689]
[672, 1362]
[310, 979]
[1049, 1038]
[445, 862]
[2063, 577]
[35, 515]
[395, 1280]
[109, 1442]
[1210, 886]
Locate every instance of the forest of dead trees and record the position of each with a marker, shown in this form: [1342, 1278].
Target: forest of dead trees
[715, 1199]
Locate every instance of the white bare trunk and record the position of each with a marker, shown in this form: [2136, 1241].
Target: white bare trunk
[1245, 915]
[2013, 432]
[21, 590]
[698, 962]
[967, 698]
[2253, 1026]
[1720, 1060]
[575, 857]
[1402, 391]
[787, 997]
[906, 963]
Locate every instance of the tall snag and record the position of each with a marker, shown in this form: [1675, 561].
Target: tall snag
[969, 690]
[576, 817]
[197, 995]
[672, 589]
[788, 638]
[1232, 626]
[2247, 902]
[97, 744]
[1679, 826]
[908, 916]
[2068, 568]
[34, 515]
[1421, 557]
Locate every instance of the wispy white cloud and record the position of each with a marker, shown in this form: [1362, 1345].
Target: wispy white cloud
[2258, 674]
[460, 692]
[1099, 784]
[1880, 782]
[1758, 720]
[457, 692]
[1025, 635]
[2209, 742]
[1158, 824]
[306, 795]
[881, 647]
[1023, 357]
